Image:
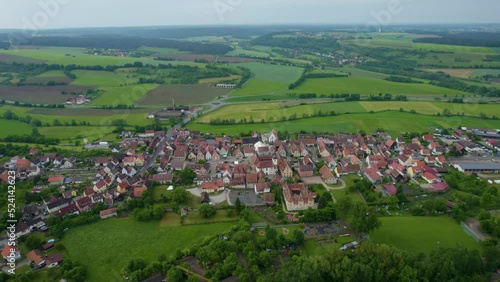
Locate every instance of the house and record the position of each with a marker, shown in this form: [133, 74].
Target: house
[264, 187]
[285, 170]
[405, 160]
[100, 186]
[373, 175]
[439, 187]
[36, 257]
[346, 170]
[266, 166]
[54, 204]
[11, 253]
[84, 204]
[268, 199]
[55, 180]
[53, 260]
[391, 189]
[248, 151]
[306, 171]
[212, 187]
[163, 178]
[122, 188]
[72, 208]
[430, 178]
[48, 246]
[327, 175]
[108, 213]
[298, 197]
[237, 153]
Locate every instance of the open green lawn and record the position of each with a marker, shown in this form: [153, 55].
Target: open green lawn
[258, 87]
[366, 85]
[125, 95]
[78, 132]
[315, 248]
[106, 247]
[97, 78]
[422, 234]
[245, 52]
[393, 122]
[482, 72]
[11, 127]
[56, 73]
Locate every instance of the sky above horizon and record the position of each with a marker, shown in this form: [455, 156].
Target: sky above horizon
[46, 14]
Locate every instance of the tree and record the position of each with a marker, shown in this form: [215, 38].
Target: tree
[185, 176]
[343, 207]
[365, 219]
[33, 242]
[298, 237]
[237, 206]
[175, 275]
[206, 210]
[158, 212]
[179, 196]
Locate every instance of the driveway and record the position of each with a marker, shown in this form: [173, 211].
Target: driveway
[318, 180]
[214, 198]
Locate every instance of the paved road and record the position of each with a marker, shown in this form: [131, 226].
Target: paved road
[215, 199]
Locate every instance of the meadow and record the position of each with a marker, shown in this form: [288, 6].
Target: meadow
[40, 94]
[12, 127]
[393, 122]
[125, 95]
[245, 52]
[267, 78]
[184, 94]
[422, 234]
[366, 86]
[98, 78]
[274, 111]
[159, 50]
[452, 48]
[107, 246]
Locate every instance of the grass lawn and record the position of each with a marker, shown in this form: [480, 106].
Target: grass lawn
[422, 234]
[258, 87]
[314, 248]
[482, 72]
[106, 247]
[194, 217]
[366, 86]
[12, 127]
[77, 132]
[55, 73]
[125, 95]
[159, 50]
[251, 53]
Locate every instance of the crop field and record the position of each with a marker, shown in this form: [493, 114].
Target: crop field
[245, 52]
[125, 95]
[77, 132]
[364, 85]
[12, 58]
[482, 72]
[268, 79]
[182, 93]
[68, 56]
[107, 246]
[275, 111]
[215, 80]
[56, 76]
[93, 116]
[452, 48]
[159, 50]
[462, 73]
[98, 78]
[392, 122]
[355, 72]
[422, 234]
[454, 60]
[39, 94]
[12, 127]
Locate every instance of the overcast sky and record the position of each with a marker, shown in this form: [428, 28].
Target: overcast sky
[101, 13]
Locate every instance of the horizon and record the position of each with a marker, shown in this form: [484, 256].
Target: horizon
[69, 14]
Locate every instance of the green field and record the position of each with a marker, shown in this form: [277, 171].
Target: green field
[245, 52]
[125, 95]
[68, 56]
[365, 85]
[393, 122]
[11, 127]
[56, 73]
[267, 78]
[482, 72]
[107, 246]
[97, 78]
[452, 48]
[274, 111]
[314, 248]
[159, 50]
[422, 234]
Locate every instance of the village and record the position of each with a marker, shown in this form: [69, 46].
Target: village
[228, 168]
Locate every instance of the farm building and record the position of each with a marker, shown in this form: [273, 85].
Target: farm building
[222, 85]
[477, 167]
